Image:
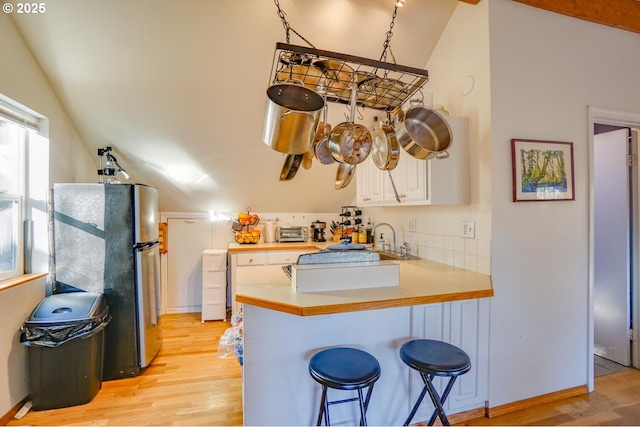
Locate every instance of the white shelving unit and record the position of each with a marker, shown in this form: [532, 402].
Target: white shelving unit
[214, 284]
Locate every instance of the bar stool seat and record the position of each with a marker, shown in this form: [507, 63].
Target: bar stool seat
[344, 368]
[433, 358]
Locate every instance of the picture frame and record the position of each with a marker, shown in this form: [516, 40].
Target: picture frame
[542, 170]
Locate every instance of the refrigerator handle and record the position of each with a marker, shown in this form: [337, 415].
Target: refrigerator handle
[144, 246]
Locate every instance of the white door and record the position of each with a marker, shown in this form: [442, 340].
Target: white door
[187, 238]
[612, 263]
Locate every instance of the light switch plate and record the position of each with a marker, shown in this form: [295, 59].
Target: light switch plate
[469, 229]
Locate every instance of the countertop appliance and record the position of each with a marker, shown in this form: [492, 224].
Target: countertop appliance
[291, 233]
[318, 231]
[105, 240]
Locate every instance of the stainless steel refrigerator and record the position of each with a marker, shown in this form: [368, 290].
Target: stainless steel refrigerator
[105, 240]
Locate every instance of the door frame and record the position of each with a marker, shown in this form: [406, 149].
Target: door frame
[616, 118]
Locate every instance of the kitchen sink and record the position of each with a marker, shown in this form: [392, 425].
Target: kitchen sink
[392, 256]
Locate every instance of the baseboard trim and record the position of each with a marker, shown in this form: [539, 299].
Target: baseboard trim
[460, 417]
[4, 420]
[535, 401]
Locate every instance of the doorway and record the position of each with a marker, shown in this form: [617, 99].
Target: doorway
[613, 239]
[613, 212]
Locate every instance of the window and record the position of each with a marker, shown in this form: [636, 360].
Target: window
[16, 126]
[12, 143]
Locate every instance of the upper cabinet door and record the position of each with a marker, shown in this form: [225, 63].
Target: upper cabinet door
[420, 182]
[369, 184]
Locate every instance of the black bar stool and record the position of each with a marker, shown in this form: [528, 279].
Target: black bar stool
[434, 358]
[344, 368]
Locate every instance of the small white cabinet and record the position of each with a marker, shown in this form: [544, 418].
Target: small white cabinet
[214, 284]
[420, 182]
[369, 184]
[250, 259]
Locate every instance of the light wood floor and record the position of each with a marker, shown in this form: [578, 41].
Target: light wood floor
[187, 384]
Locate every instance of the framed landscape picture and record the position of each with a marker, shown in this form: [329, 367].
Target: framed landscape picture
[542, 170]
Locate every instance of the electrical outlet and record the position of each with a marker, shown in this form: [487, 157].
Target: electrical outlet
[413, 224]
[469, 229]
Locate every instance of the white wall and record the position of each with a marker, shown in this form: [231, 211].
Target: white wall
[22, 80]
[461, 54]
[545, 70]
[16, 305]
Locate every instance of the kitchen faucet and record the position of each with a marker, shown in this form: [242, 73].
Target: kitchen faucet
[393, 231]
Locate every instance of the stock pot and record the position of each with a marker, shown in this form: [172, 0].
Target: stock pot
[291, 117]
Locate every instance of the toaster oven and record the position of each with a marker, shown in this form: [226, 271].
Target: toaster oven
[291, 234]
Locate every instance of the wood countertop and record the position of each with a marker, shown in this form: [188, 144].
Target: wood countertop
[292, 246]
[421, 282]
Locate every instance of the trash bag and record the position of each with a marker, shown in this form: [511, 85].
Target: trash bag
[231, 342]
[58, 334]
[60, 318]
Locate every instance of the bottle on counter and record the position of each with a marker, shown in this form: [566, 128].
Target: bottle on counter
[380, 244]
[369, 233]
[362, 235]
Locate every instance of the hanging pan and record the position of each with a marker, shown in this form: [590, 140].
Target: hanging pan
[344, 175]
[321, 149]
[350, 142]
[424, 133]
[290, 167]
[385, 151]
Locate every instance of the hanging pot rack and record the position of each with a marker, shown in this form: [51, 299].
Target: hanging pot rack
[381, 85]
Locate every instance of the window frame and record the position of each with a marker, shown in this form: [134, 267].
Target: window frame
[26, 122]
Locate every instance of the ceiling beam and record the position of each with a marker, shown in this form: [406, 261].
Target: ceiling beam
[623, 14]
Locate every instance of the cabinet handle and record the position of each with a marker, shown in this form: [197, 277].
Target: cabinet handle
[250, 261]
[402, 196]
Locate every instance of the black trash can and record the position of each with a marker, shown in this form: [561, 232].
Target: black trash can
[65, 340]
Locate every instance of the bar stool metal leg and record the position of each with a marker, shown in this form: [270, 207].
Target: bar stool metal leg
[324, 408]
[417, 404]
[433, 358]
[438, 401]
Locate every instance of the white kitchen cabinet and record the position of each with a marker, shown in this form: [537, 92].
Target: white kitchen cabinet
[464, 324]
[214, 284]
[409, 178]
[420, 182]
[369, 184]
[250, 259]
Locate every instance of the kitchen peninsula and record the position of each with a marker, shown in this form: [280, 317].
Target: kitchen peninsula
[283, 329]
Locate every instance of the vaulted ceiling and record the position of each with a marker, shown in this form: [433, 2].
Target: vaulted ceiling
[177, 88]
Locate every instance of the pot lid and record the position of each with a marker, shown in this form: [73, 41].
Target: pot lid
[346, 246]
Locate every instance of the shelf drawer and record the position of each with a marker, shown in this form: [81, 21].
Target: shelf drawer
[214, 311]
[284, 257]
[214, 293]
[214, 261]
[254, 258]
[214, 277]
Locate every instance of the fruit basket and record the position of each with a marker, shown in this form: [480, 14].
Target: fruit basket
[242, 229]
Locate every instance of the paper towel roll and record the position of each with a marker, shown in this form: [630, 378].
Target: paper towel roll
[269, 232]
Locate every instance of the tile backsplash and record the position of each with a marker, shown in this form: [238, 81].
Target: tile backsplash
[470, 254]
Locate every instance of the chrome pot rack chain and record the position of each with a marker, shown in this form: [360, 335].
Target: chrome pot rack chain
[379, 85]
